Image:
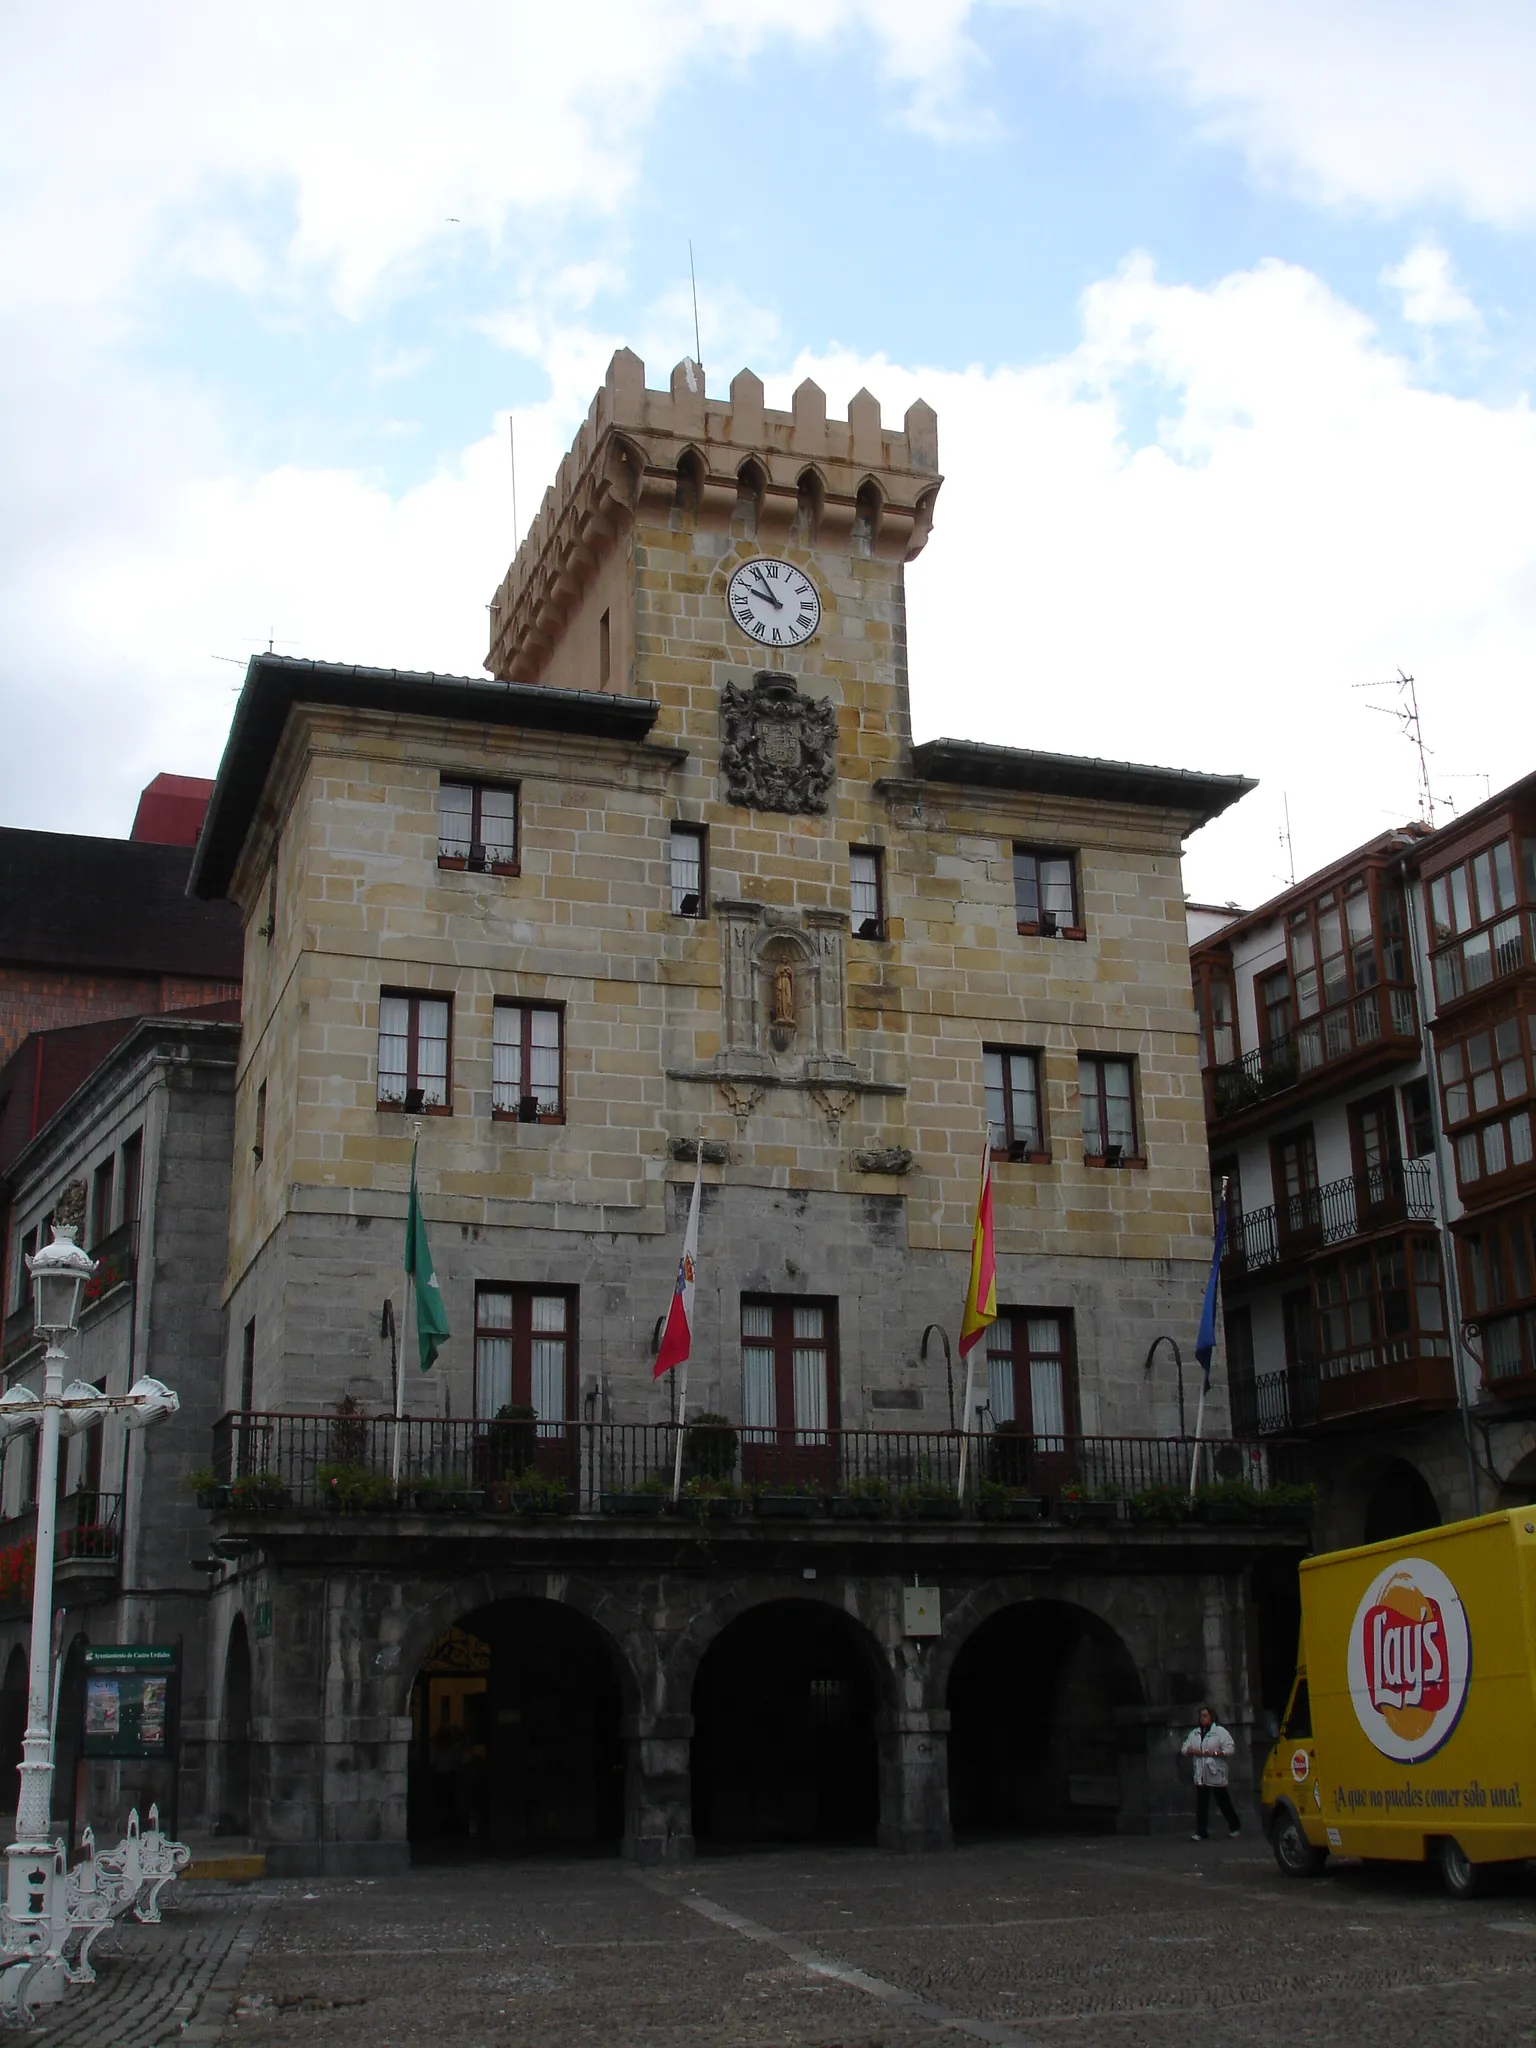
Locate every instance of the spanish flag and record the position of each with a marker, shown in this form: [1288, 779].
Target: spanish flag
[981, 1295]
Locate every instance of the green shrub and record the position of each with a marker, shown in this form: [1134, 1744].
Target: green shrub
[202, 1479]
[870, 1488]
[1162, 1503]
[535, 1491]
[709, 1446]
[1287, 1493]
[354, 1489]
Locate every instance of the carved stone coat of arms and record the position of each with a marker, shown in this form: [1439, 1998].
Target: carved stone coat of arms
[780, 751]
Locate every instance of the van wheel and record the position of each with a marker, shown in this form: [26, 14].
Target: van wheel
[1462, 1878]
[1293, 1852]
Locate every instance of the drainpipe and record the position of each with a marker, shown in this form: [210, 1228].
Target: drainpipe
[1447, 1243]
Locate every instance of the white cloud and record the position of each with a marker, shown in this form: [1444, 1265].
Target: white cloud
[1380, 103]
[1306, 518]
[1430, 294]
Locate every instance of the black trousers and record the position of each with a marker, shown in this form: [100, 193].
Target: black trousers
[1204, 1794]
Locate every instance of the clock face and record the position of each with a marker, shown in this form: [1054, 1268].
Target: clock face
[773, 602]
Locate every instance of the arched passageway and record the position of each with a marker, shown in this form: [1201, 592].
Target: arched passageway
[1400, 1504]
[784, 1746]
[234, 1814]
[515, 1736]
[1034, 1738]
[13, 1726]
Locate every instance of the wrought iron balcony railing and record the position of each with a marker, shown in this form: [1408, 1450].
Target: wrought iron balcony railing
[1330, 1215]
[271, 1463]
[1378, 1017]
[1402, 1375]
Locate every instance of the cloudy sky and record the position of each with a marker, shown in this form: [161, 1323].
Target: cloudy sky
[1227, 307]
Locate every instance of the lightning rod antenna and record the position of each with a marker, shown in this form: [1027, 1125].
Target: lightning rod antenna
[1285, 838]
[698, 351]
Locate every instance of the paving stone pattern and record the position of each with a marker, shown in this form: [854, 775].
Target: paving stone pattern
[1143, 1942]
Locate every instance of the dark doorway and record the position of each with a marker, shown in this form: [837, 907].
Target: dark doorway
[784, 1730]
[13, 1726]
[1400, 1505]
[234, 1815]
[1034, 1739]
[1277, 1615]
[515, 1737]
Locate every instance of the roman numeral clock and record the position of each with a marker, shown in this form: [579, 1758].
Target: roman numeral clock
[773, 602]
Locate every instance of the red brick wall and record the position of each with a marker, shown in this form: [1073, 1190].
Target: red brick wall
[42, 999]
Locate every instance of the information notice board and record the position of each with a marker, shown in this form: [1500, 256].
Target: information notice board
[130, 1700]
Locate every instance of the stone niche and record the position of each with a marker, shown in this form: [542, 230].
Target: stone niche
[784, 993]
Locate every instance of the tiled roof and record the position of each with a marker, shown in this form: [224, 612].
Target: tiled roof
[116, 905]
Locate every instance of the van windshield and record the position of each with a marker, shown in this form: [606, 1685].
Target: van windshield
[1298, 1715]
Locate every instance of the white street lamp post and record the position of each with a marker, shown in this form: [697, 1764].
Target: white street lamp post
[41, 1911]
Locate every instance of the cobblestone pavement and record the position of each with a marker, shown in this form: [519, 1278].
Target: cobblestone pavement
[1126, 1942]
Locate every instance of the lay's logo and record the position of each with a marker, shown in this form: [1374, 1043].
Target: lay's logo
[1410, 1660]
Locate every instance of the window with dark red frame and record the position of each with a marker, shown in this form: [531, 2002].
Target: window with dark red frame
[1498, 1291]
[1032, 1388]
[1382, 1305]
[528, 1062]
[1015, 1102]
[789, 1387]
[1107, 1088]
[1485, 1085]
[525, 1353]
[415, 1037]
[1476, 928]
[133, 1171]
[101, 1201]
[1045, 892]
[477, 827]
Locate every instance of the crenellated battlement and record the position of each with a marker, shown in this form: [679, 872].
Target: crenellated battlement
[643, 456]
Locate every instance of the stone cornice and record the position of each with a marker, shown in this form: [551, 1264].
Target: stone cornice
[642, 454]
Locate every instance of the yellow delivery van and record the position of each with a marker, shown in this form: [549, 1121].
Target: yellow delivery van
[1411, 1727]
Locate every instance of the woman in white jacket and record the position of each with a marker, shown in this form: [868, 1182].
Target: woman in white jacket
[1210, 1745]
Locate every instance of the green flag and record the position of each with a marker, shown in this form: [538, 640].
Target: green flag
[432, 1331]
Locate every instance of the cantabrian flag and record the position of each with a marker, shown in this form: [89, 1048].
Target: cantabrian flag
[981, 1295]
[677, 1337]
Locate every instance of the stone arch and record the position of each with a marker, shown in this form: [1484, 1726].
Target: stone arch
[777, 950]
[1517, 1489]
[751, 484]
[789, 1703]
[691, 475]
[1399, 1504]
[630, 1645]
[13, 1726]
[232, 1814]
[710, 1622]
[1046, 1726]
[811, 498]
[518, 1732]
[868, 505]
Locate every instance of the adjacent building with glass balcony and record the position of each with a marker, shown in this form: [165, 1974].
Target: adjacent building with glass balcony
[1366, 1041]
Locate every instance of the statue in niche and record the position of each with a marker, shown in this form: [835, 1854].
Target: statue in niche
[782, 1010]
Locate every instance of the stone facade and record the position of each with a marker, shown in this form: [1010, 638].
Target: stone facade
[833, 1071]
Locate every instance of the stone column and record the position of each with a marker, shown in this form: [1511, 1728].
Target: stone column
[658, 1788]
[914, 1780]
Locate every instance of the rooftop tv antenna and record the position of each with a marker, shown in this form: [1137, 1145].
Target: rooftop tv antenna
[1285, 838]
[1406, 712]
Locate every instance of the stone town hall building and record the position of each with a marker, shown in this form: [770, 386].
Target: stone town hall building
[677, 872]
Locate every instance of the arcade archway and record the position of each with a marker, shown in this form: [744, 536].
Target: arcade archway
[784, 1744]
[1037, 1736]
[515, 1736]
[234, 1815]
[1400, 1504]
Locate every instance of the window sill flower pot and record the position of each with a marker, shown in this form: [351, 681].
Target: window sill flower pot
[706, 1507]
[1229, 1512]
[1093, 1511]
[542, 1504]
[1020, 1507]
[789, 1507]
[856, 1507]
[464, 1500]
[645, 1505]
[213, 1500]
[935, 1509]
[260, 1500]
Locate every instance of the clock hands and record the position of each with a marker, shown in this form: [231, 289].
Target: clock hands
[762, 583]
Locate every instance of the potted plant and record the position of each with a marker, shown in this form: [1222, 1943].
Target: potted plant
[646, 1497]
[346, 1437]
[709, 1499]
[1010, 1454]
[447, 1493]
[1161, 1502]
[208, 1489]
[996, 1502]
[788, 1500]
[257, 1493]
[508, 1444]
[865, 1500]
[1288, 1502]
[1229, 1500]
[354, 1490]
[531, 1493]
[1076, 1502]
[709, 1447]
[929, 1500]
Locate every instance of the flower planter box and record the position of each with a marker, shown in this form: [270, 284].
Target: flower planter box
[213, 1500]
[465, 1500]
[268, 1501]
[707, 1507]
[1022, 1508]
[933, 1510]
[1292, 1515]
[1088, 1510]
[543, 1504]
[647, 1505]
[860, 1507]
[789, 1507]
[1228, 1512]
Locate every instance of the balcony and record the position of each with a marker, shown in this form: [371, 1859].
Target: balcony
[1378, 1382]
[1380, 1026]
[1484, 958]
[279, 1465]
[1266, 1240]
[87, 1548]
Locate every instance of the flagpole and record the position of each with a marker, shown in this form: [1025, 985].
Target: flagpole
[1205, 1377]
[394, 1474]
[970, 1356]
[677, 1456]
